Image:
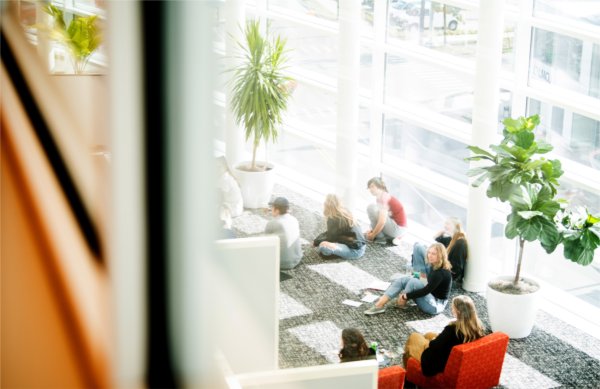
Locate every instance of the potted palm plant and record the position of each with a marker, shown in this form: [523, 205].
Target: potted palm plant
[81, 38]
[517, 174]
[260, 94]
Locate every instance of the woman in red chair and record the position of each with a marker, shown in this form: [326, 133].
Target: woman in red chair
[433, 350]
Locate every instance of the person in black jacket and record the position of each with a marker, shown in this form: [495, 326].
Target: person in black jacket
[455, 240]
[434, 350]
[343, 237]
[432, 297]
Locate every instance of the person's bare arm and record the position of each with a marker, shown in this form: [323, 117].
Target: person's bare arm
[379, 226]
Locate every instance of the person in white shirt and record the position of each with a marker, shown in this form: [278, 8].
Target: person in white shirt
[287, 228]
[229, 191]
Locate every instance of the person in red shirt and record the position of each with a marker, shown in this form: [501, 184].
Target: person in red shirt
[388, 220]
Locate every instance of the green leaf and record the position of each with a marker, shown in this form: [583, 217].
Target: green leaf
[477, 150]
[529, 229]
[501, 190]
[543, 147]
[549, 236]
[476, 171]
[532, 122]
[529, 214]
[511, 125]
[524, 139]
[502, 150]
[576, 252]
[511, 230]
[522, 198]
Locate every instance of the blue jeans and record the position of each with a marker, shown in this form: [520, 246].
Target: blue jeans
[418, 258]
[343, 251]
[427, 304]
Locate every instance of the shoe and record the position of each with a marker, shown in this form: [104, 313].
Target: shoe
[332, 256]
[381, 241]
[374, 310]
[397, 241]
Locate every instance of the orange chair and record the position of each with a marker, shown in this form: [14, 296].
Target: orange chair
[471, 365]
[391, 378]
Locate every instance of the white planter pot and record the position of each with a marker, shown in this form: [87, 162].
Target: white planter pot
[256, 187]
[512, 314]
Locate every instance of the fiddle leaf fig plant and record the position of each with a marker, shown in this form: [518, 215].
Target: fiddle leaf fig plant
[260, 89]
[519, 175]
[82, 37]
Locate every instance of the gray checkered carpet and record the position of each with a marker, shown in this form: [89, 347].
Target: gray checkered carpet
[312, 314]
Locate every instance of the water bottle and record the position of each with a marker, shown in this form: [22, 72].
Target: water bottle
[374, 347]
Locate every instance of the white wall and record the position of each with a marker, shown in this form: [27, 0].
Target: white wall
[350, 375]
[248, 314]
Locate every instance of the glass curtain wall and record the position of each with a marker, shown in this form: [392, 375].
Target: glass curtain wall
[417, 67]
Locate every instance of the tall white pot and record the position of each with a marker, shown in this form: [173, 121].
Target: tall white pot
[512, 314]
[256, 187]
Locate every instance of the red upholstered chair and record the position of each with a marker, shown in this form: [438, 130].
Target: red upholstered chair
[391, 378]
[471, 365]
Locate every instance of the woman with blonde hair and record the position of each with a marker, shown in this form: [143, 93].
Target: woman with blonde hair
[432, 297]
[434, 350]
[453, 237]
[343, 237]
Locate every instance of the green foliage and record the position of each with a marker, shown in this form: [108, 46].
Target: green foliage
[518, 175]
[581, 235]
[82, 37]
[260, 90]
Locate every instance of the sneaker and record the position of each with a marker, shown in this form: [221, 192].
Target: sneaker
[374, 310]
[397, 241]
[381, 241]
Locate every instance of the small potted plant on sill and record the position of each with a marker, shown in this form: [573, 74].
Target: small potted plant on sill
[518, 176]
[260, 91]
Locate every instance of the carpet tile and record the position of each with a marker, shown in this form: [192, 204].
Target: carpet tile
[312, 315]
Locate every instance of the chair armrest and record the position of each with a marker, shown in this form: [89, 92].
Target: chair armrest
[391, 378]
[414, 373]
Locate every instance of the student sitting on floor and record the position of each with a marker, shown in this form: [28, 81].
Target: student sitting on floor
[287, 228]
[434, 350]
[455, 240]
[431, 298]
[354, 347]
[388, 220]
[230, 194]
[343, 237]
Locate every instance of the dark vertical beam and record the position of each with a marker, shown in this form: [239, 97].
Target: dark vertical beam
[160, 367]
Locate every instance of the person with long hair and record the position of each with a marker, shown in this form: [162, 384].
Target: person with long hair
[387, 217]
[434, 350]
[432, 297]
[343, 237]
[454, 238]
[354, 347]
